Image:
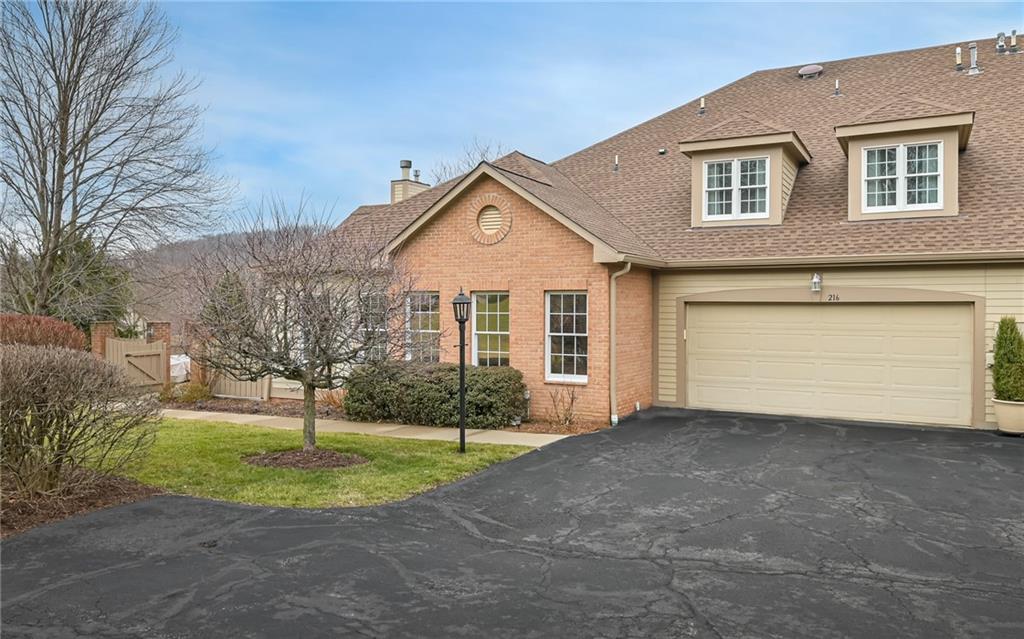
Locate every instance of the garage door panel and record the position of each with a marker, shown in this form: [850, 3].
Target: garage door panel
[785, 371]
[851, 373]
[854, 344]
[784, 342]
[949, 378]
[734, 368]
[931, 347]
[885, 362]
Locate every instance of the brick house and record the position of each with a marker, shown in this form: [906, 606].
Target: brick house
[834, 240]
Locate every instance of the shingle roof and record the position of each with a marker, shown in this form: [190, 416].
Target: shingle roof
[903, 107]
[738, 126]
[649, 194]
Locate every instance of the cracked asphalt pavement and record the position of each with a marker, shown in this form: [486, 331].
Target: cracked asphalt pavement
[673, 524]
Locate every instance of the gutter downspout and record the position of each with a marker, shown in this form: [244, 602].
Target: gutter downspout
[613, 341]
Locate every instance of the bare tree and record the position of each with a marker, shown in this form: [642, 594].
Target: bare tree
[477, 151]
[97, 144]
[290, 296]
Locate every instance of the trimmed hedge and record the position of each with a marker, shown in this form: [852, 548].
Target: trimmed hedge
[1008, 362]
[38, 330]
[428, 394]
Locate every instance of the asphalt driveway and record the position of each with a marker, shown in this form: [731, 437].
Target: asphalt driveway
[676, 524]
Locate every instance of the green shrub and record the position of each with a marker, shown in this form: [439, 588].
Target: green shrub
[37, 330]
[1008, 364]
[428, 394]
[188, 393]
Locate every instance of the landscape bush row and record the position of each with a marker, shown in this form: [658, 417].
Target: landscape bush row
[428, 394]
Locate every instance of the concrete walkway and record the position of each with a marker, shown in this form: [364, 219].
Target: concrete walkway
[533, 440]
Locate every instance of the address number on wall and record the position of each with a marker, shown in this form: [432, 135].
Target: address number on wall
[832, 297]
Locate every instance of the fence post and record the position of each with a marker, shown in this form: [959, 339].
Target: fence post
[98, 334]
[161, 332]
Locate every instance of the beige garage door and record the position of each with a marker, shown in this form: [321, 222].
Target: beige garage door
[884, 362]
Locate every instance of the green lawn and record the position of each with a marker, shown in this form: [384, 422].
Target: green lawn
[205, 459]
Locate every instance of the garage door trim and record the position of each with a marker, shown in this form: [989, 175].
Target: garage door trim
[839, 295]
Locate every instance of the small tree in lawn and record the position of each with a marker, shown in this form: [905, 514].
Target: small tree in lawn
[288, 295]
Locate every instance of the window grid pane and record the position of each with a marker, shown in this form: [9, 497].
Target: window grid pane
[922, 174]
[567, 334]
[718, 192]
[491, 325]
[424, 321]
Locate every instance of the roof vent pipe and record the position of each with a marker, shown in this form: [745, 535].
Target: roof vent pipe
[615, 167]
[405, 165]
[836, 92]
[1001, 42]
[1013, 42]
[973, 49]
[416, 175]
[959, 59]
[701, 110]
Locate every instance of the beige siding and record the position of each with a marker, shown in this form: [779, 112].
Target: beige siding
[789, 170]
[1002, 286]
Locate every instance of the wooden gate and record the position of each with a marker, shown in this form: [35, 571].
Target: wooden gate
[145, 363]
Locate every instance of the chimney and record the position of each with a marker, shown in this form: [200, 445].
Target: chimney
[973, 48]
[406, 187]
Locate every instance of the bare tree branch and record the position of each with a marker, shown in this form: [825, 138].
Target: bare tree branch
[477, 151]
[97, 144]
[287, 295]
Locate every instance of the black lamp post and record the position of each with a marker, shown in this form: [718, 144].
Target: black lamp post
[461, 307]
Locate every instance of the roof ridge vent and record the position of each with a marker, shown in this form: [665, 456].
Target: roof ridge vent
[810, 71]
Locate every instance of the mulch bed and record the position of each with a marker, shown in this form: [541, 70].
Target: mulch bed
[18, 515]
[274, 407]
[306, 459]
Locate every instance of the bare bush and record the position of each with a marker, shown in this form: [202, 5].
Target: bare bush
[563, 406]
[37, 330]
[68, 418]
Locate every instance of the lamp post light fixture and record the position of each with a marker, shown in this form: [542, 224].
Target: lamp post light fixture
[816, 283]
[461, 305]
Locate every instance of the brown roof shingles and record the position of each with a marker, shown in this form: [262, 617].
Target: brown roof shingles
[643, 208]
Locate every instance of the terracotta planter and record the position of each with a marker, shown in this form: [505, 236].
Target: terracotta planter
[1010, 416]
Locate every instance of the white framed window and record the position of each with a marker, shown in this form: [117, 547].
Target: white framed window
[490, 329]
[423, 326]
[736, 189]
[373, 326]
[902, 177]
[565, 348]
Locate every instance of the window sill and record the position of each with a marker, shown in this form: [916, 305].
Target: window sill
[711, 219]
[565, 382]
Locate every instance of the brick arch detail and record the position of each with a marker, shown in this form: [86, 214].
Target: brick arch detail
[477, 204]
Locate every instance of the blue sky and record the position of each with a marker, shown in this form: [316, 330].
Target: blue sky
[324, 99]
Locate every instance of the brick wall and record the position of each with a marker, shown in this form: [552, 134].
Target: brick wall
[98, 334]
[635, 344]
[538, 254]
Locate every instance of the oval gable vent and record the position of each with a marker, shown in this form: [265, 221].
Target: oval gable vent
[489, 220]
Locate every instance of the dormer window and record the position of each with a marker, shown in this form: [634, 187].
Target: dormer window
[904, 167]
[743, 172]
[902, 177]
[736, 189]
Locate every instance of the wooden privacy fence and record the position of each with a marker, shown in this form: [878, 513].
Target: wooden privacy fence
[222, 385]
[146, 363]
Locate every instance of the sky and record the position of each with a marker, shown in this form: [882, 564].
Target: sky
[320, 101]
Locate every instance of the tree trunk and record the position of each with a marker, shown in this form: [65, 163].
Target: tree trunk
[309, 417]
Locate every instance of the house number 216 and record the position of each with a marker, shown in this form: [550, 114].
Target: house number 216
[832, 297]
